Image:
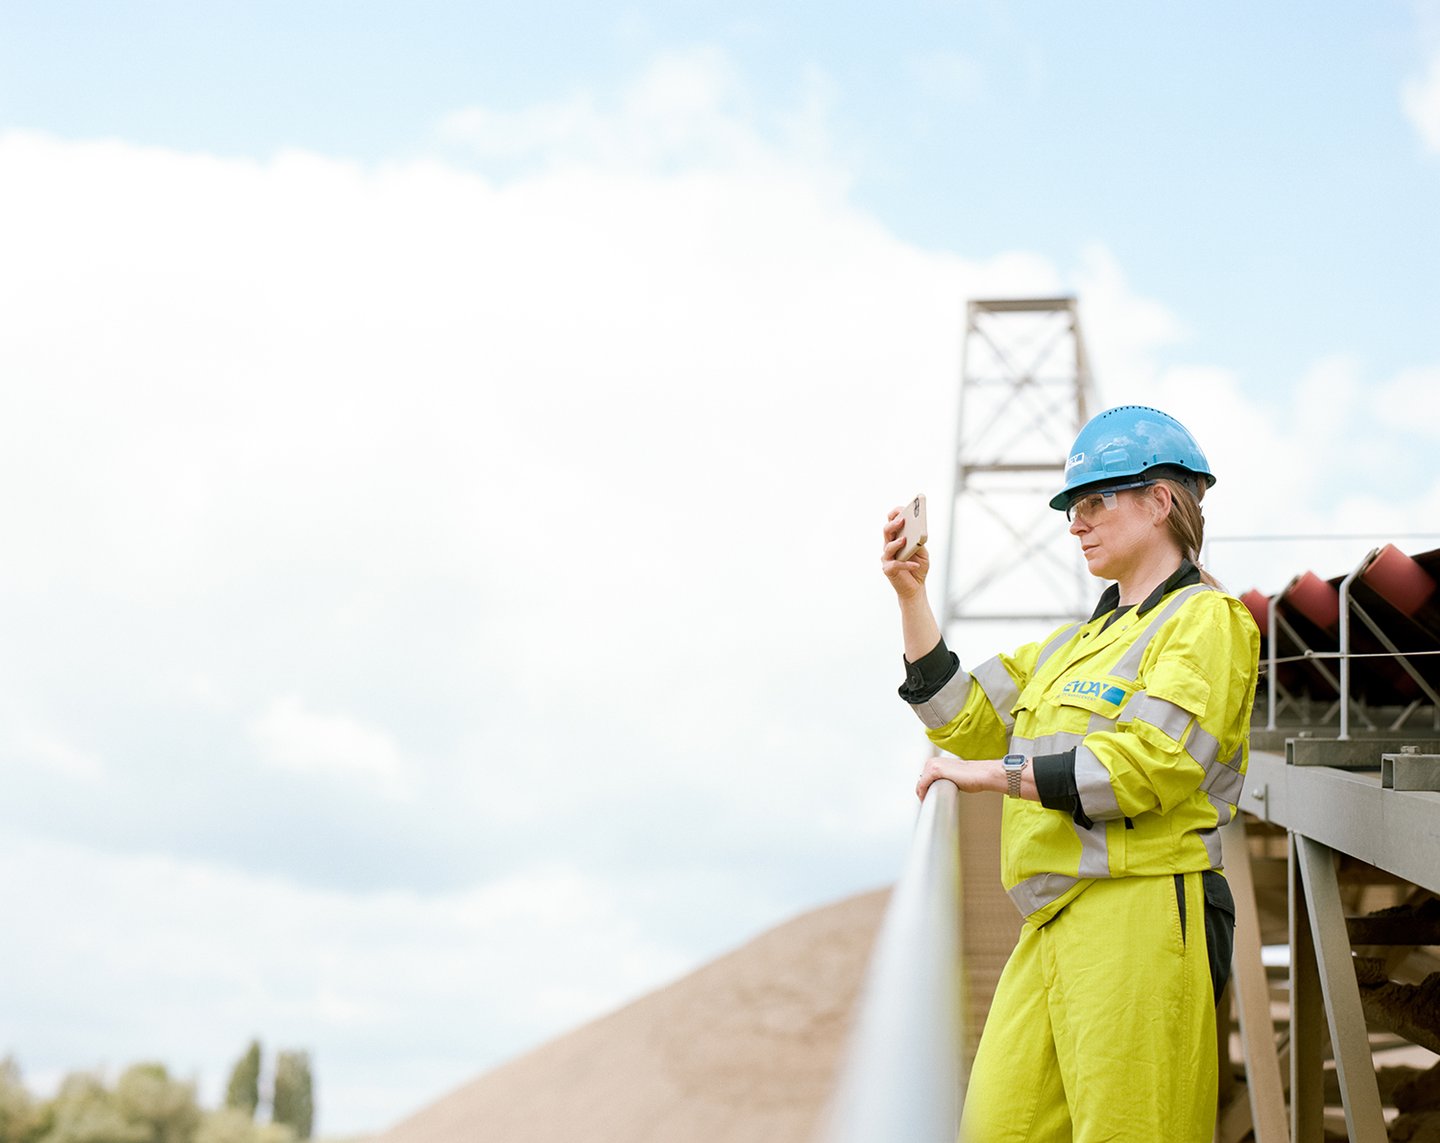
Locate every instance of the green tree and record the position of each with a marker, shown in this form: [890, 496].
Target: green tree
[147, 1095]
[147, 1106]
[244, 1090]
[293, 1103]
[232, 1125]
[20, 1120]
[84, 1111]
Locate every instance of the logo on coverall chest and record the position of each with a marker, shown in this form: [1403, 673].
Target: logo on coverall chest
[1095, 688]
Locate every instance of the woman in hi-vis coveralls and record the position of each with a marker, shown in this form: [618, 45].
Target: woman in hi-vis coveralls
[1121, 742]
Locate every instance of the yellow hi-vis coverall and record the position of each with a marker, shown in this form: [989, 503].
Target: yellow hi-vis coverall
[1103, 1023]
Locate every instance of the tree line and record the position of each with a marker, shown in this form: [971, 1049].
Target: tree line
[148, 1105]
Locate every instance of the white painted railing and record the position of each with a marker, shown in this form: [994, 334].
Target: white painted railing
[902, 1081]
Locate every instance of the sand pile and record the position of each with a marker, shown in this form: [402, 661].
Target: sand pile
[743, 1050]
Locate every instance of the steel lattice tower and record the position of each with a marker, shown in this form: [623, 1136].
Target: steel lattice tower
[1025, 391]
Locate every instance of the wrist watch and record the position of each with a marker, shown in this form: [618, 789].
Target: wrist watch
[1014, 766]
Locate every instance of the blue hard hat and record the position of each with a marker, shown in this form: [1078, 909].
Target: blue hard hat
[1124, 442]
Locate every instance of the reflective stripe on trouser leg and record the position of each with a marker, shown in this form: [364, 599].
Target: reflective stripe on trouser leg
[1122, 1004]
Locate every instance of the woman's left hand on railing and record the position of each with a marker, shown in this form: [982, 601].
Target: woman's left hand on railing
[973, 775]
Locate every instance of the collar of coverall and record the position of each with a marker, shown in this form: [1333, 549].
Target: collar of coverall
[1183, 576]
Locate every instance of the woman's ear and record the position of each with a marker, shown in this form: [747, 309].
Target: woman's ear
[1164, 500]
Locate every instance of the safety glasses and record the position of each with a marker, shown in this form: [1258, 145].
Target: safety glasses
[1087, 507]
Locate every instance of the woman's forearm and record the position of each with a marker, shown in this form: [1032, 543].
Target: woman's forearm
[917, 623]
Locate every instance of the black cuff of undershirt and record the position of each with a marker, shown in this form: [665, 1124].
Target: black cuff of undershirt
[928, 674]
[1055, 783]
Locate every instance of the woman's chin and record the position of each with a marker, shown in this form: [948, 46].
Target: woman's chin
[1096, 562]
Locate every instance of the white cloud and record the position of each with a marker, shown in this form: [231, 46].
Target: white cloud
[687, 109]
[1124, 331]
[55, 753]
[330, 745]
[1406, 402]
[1421, 101]
[1333, 405]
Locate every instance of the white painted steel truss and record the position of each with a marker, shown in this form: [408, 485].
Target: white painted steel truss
[1025, 392]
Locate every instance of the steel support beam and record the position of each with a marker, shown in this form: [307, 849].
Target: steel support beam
[1307, 1020]
[1364, 1119]
[1264, 1087]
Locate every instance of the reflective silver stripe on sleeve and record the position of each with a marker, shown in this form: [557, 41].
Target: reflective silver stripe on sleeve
[1160, 713]
[941, 708]
[1092, 784]
[1202, 746]
[1036, 892]
[1061, 638]
[1225, 780]
[1094, 850]
[1224, 811]
[1129, 666]
[1211, 838]
[1024, 746]
[999, 688]
[1225, 783]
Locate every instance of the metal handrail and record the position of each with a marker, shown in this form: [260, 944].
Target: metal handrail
[903, 1077]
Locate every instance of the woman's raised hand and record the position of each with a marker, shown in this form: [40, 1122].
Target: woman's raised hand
[907, 578]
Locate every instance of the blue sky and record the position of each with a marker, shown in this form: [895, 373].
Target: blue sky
[447, 446]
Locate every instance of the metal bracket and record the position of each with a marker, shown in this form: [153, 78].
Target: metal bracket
[1410, 770]
[1352, 753]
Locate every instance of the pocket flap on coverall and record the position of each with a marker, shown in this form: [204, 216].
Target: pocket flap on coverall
[1179, 681]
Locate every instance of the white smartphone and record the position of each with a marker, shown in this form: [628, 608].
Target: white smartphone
[917, 531]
